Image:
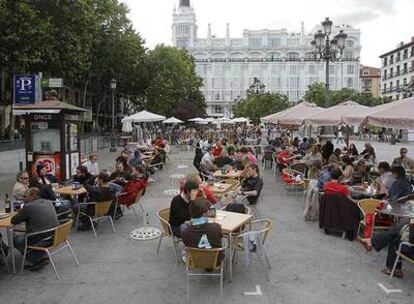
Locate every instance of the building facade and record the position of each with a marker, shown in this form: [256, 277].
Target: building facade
[281, 60]
[397, 71]
[370, 81]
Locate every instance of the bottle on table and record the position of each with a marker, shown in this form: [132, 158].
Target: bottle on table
[7, 204]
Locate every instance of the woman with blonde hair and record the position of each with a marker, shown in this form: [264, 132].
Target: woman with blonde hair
[204, 191]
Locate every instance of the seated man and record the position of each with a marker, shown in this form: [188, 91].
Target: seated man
[223, 159]
[21, 185]
[100, 193]
[207, 161]
[360, 173]
[392, 238]
[38, 214]
[82, 176]
[401, 187]
[179, 210]
[120, 177]
[252, 185]
[137, 184]
[92, 165]
[199, 233]
[204, 190]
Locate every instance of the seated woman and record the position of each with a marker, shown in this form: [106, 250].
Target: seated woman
[352, 152]
[313, 155]
[360, 173]
[252, 185]
[204, 190]
[245, 152]
[137, 183]
[43, 181]
[392, 238]
[348, 167]
[401, 187]
[136, 159]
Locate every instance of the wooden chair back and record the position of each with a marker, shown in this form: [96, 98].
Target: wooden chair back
[203, 258]
[368, 206]
[102, 208]
[164, 217]
[263, 226]
[62, 233]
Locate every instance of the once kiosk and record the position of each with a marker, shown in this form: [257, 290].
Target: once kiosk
[52, 137]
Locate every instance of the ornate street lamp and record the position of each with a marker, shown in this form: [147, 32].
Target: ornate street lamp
[113, 137]
[257, 86]
[324, 48]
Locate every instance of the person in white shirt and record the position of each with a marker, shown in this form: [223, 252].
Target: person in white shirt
[207, 162]
[21, 185]
[92, 164]
[386, 179]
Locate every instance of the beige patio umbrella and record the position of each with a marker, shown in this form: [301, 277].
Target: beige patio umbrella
[398, 114]
[333, 115]
[295, 116]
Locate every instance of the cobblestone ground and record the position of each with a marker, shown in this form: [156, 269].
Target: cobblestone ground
[307, 265]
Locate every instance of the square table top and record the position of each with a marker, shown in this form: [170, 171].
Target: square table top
[232, 174]
[67, 190]
[230, 221]
[220, 188]
[6, 222]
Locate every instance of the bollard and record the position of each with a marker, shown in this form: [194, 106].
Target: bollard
[20, 166]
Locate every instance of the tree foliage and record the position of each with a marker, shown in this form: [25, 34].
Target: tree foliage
[174, 87]
[256, 106]
[90, 42]
[316, 93]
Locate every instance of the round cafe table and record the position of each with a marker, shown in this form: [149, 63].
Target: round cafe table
[397, 210]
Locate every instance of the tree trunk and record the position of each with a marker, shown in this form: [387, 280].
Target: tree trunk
[3, 103]
[85, 90]
[98, 108]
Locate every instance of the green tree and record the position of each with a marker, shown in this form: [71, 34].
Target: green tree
[173, 85]
[316, 93]
[256, 106]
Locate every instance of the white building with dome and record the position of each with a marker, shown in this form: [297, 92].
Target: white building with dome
[281, 60]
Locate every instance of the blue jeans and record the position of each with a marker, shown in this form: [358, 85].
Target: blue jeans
[117, 188]
[32, 256]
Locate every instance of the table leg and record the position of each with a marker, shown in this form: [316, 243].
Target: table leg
[230, 259]
[10, 235]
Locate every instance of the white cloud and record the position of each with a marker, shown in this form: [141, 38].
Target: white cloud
[383, 23]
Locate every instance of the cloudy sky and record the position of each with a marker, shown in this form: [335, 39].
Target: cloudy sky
[383, 23]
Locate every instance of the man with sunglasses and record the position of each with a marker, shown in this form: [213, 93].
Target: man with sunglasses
[404, 161]
[21, 185]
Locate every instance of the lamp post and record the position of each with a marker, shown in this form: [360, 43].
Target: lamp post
[113, 137]
[257, 86]
[326, 49]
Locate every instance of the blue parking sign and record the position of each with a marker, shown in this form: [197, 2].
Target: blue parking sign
[24, 89]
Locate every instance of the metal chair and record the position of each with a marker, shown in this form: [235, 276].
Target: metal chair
[402, 256]
[262, 227]
[101, 211]
[3, 254]
[60, 241]
[368, 206]
[204, 259]
[164, 216]
[137, 202]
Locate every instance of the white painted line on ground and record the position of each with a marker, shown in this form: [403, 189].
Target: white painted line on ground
[258, 292]
[388, 291]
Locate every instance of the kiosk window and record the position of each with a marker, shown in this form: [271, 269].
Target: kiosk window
[45, 137]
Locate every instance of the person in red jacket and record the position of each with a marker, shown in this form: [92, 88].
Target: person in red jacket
[203, 191]
[334, 187]
[217, 148]
[131, 189]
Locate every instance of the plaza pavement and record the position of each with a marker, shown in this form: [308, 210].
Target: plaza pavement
[308, 266]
